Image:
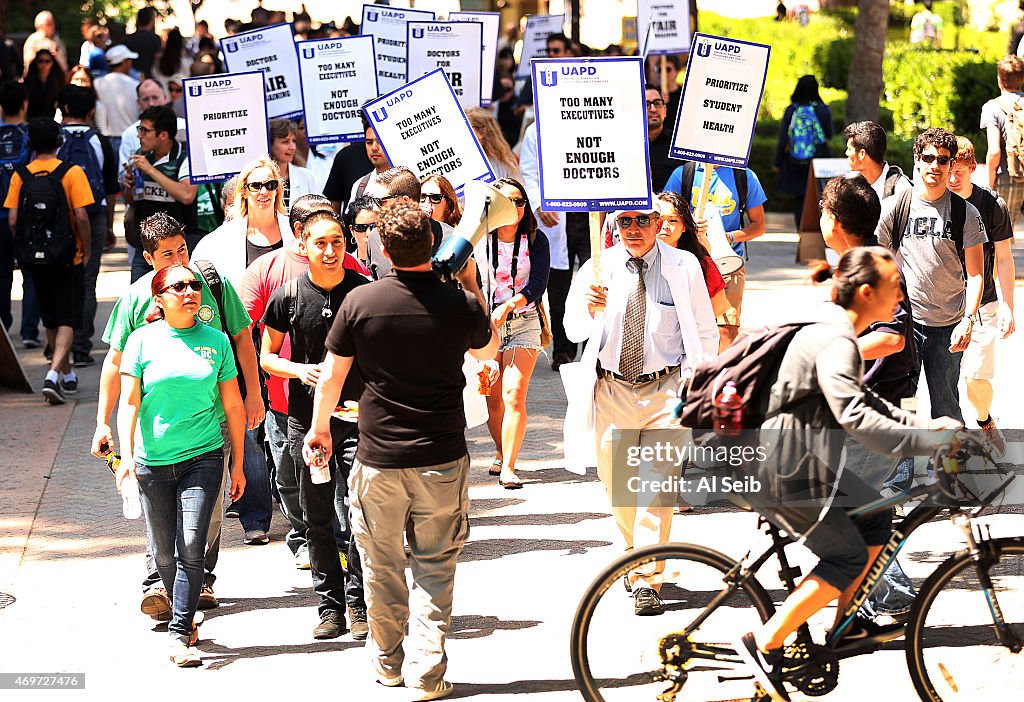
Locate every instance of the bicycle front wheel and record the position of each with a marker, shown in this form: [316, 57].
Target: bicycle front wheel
[954, 651]
[617, 655]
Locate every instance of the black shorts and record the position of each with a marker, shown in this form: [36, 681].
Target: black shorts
[60, 293]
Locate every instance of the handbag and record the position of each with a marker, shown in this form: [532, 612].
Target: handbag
[545, 325]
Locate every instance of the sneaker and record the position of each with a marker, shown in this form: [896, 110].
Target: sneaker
[69, 387]
[52, 393]
[157, 605]
[359, 628]
[31, 343]
[207, 600]
[83, 360]
[391, 682]
[302, 559]
[443, 689]
[994, 438]
[231, 512]
[767, 668]
[646, 602]
[331, 626]
[256, 537]
[863, 631]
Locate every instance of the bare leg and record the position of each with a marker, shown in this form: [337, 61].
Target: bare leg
[517, 368]
[61, 339]
[979, 392]
[496, 410]
[810, 595]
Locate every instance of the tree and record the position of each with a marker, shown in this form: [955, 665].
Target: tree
[864, 84]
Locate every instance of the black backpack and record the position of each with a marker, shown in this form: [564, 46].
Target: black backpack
[752, 363]
[892, 177]
[43, 236]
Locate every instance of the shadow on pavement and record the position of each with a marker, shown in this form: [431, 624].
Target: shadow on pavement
[491, 549]
[478, 626]
[535, 519]
[223, 656]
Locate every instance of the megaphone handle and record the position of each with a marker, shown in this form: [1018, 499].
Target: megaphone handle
[705, 188]
[596, 243]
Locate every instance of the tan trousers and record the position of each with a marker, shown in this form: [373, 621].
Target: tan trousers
[628, 419]
[430, 505]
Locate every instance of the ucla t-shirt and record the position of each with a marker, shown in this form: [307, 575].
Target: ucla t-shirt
[180, 413]
[722, 194]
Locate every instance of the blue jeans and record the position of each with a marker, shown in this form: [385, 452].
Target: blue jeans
[178, 501]
[284, 475]
[942, 369]
[256, 506]
[83, 335]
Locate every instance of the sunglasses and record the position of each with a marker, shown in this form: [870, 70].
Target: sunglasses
[363, 228]
[173, 89]
[625, 221]
[519, 202]
[930, 158]
[656, 104]
[435, 198]
[183, 285]
[268, 185]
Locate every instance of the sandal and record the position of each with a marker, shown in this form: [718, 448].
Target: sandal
[514, 484]
[495, 468]
[184, 656]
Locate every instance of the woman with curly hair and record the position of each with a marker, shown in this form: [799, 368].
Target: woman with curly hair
[503, 162]
[438, 200]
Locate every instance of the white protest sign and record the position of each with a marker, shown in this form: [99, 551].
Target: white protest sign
[454, 47]
[669, 25]
[226, 123]
[387, 25]
[492, 27]
[271, 50]
[535, 39]
[721, 96]
[422, 126]
[338, 77]
[591, 133]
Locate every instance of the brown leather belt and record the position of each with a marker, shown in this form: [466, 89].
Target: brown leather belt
[641, 380]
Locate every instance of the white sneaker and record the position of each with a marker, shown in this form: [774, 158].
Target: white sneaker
[302, 559]
[443, 689]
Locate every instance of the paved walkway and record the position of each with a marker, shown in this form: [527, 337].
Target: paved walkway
[74, 564]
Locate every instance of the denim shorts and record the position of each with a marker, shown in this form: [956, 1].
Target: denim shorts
[521, 331]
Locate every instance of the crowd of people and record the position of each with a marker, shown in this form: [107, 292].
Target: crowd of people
[262, 348]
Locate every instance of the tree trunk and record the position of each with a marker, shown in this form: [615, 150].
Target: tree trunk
[864, 84]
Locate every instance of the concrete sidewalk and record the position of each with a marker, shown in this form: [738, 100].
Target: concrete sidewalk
[74, 564]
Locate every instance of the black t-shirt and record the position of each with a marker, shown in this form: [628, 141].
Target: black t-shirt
[308, 335]
[147, 45]
[409, 334]
[662, 164]
[350, 164]
[671, 109]
[254, 251]
[998, 227]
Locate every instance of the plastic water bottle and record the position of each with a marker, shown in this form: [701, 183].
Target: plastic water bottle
[131, 505]
[138, 185]
[728, 411]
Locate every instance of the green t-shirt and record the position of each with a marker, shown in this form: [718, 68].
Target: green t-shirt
[130, 311]
[180, 414]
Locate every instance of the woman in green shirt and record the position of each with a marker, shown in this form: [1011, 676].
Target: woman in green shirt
[176, 374]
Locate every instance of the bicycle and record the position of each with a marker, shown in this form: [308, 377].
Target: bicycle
[710, 598]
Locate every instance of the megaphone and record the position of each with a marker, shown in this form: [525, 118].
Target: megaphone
[722, 253]
[486, 209]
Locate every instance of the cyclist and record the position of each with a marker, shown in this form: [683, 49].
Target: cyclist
[803, 473]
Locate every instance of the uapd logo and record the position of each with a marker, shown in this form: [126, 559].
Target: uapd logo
[195, 90]
[371, 16]
[379, 115]
[232, 47]
[308, 52]
[549, 77]
[417, 33]
[704, 49]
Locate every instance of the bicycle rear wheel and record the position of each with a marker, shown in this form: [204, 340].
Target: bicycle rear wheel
[953, 650]
[615, 654]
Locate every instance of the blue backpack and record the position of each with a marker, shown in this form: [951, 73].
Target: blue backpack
[14, 153]
[77, 150]
[805, 133]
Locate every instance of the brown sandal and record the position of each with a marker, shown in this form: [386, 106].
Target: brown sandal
[495, 468]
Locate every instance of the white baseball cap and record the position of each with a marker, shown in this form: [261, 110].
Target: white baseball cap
[119, 53]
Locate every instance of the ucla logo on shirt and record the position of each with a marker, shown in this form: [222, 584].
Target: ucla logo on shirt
[308, 52]
[205, 314]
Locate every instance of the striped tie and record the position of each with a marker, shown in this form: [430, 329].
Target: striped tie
[631, 360]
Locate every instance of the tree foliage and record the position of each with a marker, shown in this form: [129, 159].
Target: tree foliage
[19, 17]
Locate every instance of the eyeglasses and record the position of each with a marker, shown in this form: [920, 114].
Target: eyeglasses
[183, 285]
[435, 198]
[268, 185]
[174, 89]
[656, 104]
[144, 130]
[625, 221]
[930, 158]
[363, 228]
[519, 202]
[385, 198]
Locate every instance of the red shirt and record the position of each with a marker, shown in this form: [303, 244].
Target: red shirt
[266, 274]
[712, 277]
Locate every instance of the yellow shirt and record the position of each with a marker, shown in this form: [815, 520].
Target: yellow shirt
[76, 188]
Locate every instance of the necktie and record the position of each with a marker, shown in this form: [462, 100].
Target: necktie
[631, 359]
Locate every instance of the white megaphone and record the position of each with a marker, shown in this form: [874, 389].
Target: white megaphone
[722, 253]
[486, 209]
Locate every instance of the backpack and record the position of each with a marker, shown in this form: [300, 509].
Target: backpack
[805, 133]
[216, 285]
[14, 153]
[740, 176]
[752, 363]
[77, 150]
[901, 217]
[43, 236]
[1014, 111]
[892, 177]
